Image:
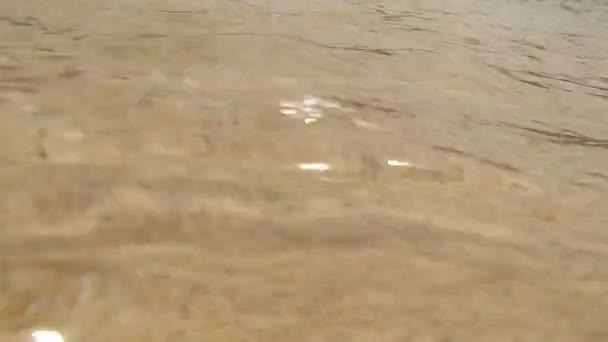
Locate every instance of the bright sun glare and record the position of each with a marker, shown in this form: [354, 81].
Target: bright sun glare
[46, 336]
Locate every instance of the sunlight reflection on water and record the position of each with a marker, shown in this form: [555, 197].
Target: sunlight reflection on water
[46, 336]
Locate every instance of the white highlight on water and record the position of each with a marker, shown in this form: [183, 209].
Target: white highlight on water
[398, 163]
[46, 336]
[314, 166]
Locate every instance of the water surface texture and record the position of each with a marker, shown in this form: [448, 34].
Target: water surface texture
[250, 170]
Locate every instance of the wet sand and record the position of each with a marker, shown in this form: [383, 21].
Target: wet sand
[424, 171]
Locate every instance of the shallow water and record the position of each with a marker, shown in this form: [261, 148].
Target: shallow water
[305, 171]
